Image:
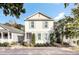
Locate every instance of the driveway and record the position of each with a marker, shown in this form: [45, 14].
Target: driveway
[37, 51]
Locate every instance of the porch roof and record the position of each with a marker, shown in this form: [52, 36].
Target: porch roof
[10, 29]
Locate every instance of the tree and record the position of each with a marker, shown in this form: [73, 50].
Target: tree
[75, 12]
[52, 38]
[12, 9]
[67, 4]
[62, 28]
[73, 25]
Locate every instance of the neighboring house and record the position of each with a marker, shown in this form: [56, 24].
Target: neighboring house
[10, 34]
[41, 25]
[71, 41]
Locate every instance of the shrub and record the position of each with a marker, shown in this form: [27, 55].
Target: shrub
[42, 45]
[66, 44]
[48, 44]
[5, 44]
[52, 38]
[38, 45]
[33, 39]
[77, 42]
[0, 44]
[14, 43]
[24, 43]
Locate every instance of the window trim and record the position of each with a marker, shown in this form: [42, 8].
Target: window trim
[39, 36]
[32, 24]
[45, 24]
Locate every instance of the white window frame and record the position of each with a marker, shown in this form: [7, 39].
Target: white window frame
[45, 24]
[39, 37]
[32, 24]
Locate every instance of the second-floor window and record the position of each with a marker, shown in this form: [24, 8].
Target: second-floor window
[32, 24]
[45, 24]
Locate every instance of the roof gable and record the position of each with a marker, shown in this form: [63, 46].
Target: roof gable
[38, 16]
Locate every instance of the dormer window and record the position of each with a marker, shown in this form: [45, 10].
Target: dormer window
[32, 24]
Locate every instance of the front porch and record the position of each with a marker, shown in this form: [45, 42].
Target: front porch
[28, 37]
[4, 36]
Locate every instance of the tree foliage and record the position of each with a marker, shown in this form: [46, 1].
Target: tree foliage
[62, 27]
[75, 12]
[12, 9]
[52, 38]
[71, 24]
[67, 4]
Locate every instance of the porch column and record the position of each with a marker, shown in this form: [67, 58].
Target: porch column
[28, 38]
[25, 37]
[2, 35]
[8, 35]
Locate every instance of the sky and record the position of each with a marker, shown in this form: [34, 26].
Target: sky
[54, 10]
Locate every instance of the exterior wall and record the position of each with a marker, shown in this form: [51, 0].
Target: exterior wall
[39, 26]
[43, 40]
[72, 41]
[39, 29]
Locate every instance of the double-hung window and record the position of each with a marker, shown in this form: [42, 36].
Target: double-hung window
[45, 24]
[39, 36]
[32, 24]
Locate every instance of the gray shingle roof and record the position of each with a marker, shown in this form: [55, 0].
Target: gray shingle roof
[10, 29]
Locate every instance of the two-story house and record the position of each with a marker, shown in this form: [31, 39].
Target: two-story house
[41, 25]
